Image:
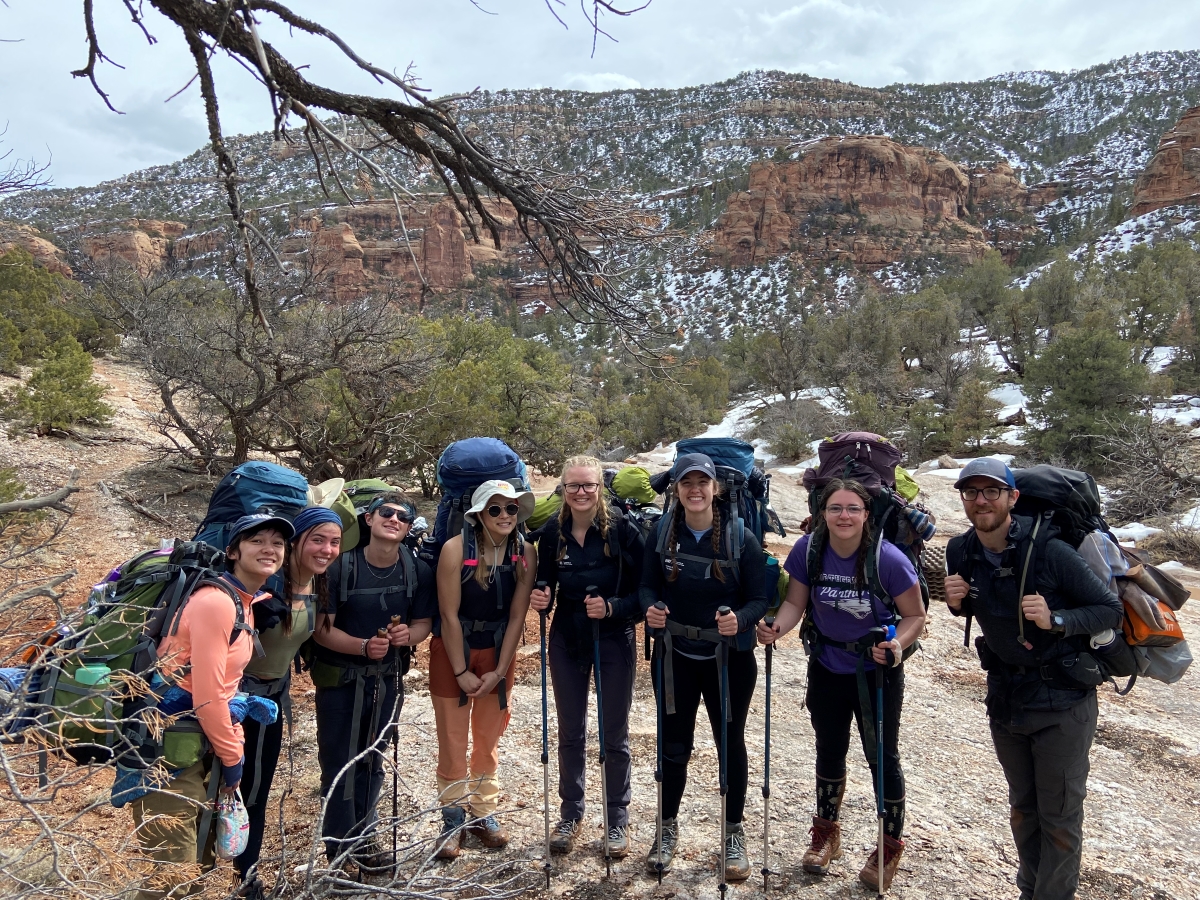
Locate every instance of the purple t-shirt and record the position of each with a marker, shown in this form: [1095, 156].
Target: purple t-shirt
[841, 613]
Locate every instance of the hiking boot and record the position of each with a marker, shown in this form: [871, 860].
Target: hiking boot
[826, 846]
[372, 857]
[490, 832]
[737, 863]
[618, 841]
[891, 862]
[450, 840]
[562, 839]
[251, 889]
[670, 840]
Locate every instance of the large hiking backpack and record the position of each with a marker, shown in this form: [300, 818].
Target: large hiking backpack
[873, 462]
[252, 487]
[92, 697]
[1066, 504]
[746, 503]
[631, 492]
[463, 467]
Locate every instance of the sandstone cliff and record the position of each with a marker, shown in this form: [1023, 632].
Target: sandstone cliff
[1173, 174]
[40, 248]
[868, 199]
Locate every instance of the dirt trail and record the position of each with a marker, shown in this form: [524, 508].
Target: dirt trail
[1143, 807]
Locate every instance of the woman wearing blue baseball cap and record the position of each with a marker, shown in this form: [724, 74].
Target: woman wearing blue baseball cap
[711, 603]
[285, 620]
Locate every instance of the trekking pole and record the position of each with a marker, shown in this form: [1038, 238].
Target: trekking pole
[723, 657]
[396, 620]
[588, 591]
[542, 613]
[880, 677]
[658, 743]
[769, 621]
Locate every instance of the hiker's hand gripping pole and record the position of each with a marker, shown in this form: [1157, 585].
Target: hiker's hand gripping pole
[658, 743]
[589, 592]
[542, 611]
[769, 621]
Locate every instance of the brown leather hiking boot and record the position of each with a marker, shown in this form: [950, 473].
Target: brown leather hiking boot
[869, 875]
[450, 840]
[490, 832]
[826, 846]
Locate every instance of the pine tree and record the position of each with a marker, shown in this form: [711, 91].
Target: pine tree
[60, 393]
[974, 416]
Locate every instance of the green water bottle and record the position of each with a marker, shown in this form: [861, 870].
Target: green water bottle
[95, 674]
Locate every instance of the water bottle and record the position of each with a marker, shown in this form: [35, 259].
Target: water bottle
[93, 674]
[1104, 639]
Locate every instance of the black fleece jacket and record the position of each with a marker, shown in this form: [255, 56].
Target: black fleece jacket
[1071, 589]
[696, 594]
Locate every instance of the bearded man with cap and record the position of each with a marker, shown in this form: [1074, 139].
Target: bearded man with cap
[1031, 616]
[380, 604]
[484, 578]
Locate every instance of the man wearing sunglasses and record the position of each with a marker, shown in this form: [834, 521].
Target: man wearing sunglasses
[380, 604]
[1032, 615]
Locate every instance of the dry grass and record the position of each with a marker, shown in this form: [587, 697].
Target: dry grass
[1182, 544]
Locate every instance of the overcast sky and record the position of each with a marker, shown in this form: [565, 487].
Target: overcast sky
[456, 47]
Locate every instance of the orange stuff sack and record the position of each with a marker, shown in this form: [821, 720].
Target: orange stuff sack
[1148, 622]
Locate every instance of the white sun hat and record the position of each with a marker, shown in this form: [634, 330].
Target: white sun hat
[489, 489]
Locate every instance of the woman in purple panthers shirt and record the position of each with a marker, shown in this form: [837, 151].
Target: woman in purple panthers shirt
[843, 613]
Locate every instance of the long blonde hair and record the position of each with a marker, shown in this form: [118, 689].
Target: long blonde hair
[601, 516]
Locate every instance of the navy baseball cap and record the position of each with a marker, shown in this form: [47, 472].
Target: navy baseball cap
[693, 462]
[986, 467]
[258, 522]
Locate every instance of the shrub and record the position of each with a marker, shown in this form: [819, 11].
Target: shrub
[60, 393]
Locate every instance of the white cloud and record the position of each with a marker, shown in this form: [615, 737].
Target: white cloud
[598, 82]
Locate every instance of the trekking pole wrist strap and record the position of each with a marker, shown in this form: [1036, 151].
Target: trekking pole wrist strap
[462, 673]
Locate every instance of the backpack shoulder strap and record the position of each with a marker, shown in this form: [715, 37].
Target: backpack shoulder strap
[409, 565]
[347, 575]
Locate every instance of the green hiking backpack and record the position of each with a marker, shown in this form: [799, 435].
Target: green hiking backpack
[93, 699]
[351, 505]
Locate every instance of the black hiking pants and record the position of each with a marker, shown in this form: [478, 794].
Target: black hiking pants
[1045, 760]
[697, 679]
[832, 701]
[263, 744]
[348, 818]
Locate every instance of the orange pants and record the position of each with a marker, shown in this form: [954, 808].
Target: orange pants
[482, 719]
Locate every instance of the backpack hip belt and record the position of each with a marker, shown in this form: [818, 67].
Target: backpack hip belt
[475, 626]
[692, 633]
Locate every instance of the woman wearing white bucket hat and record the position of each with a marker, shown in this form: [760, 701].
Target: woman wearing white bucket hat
[483, 596]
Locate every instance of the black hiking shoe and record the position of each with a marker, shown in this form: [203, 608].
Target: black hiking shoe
[670, 840]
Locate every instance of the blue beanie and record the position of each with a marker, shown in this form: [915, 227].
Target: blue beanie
[313, 516]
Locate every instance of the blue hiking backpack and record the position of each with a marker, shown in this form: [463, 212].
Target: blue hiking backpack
[252, 487]
[463, 466]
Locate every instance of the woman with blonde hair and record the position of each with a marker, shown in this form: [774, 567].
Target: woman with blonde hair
[483, 595]
[589, 545]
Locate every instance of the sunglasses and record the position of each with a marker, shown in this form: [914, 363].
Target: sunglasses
[386, 512]
[494, 511]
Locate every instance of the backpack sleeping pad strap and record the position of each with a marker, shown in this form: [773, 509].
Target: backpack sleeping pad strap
[206, 817]
[692, 633]
[498, 629]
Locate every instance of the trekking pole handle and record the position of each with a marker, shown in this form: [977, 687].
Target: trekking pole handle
[723, 610]
[591, 589]
[889, 635]
[541, 586]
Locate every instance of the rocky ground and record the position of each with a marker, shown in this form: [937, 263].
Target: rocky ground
[1143, 808]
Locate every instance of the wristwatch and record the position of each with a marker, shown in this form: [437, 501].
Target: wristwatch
[1058, 625]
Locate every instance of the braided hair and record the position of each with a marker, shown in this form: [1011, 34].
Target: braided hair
[672, 528]
[820, 532]
[602, 518]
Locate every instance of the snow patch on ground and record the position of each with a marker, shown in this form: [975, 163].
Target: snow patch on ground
[1135, 531]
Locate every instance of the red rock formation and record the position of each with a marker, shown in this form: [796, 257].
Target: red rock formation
[141, 251]
[869, 199]
[1173, 174]
[44, 253]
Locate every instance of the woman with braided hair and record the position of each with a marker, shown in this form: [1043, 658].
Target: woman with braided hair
[688, 568]
[846, 659]
[590, 545]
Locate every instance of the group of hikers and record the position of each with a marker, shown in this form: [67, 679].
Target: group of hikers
[594, 574]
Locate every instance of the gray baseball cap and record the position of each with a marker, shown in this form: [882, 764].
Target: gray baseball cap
[986, 467]
[693, 462]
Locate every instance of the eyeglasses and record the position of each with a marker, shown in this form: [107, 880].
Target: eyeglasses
[494, 511]
[587, 487]
[386, 512]
[989, 493]
[837, 509]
